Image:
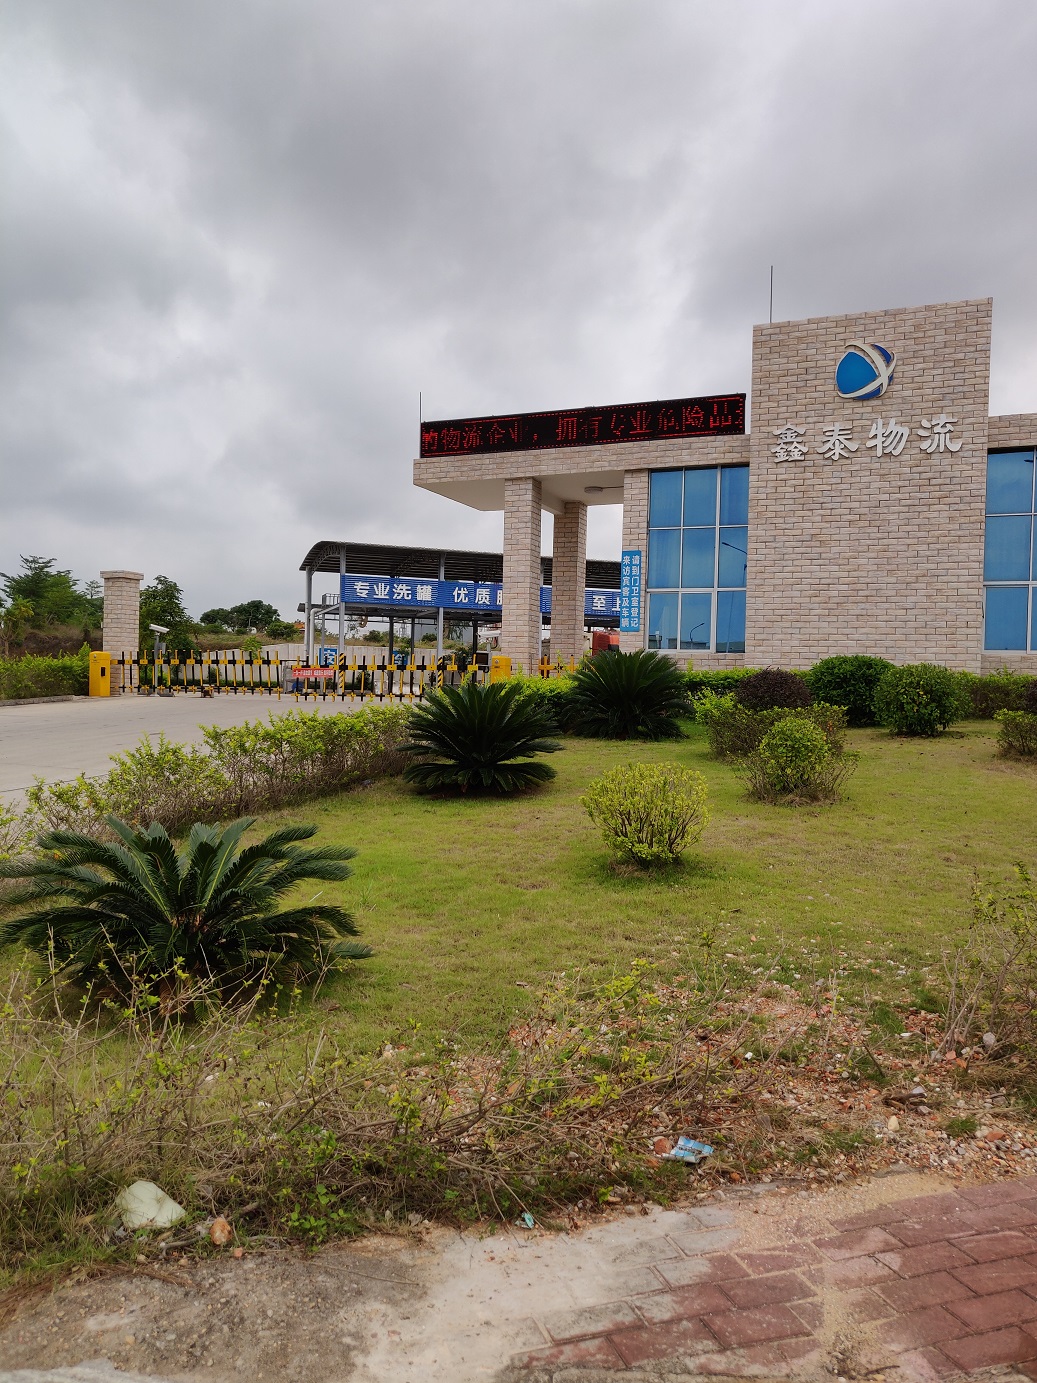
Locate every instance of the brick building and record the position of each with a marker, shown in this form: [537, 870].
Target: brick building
[873, 507]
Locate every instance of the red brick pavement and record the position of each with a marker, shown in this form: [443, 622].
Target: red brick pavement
[937, 1285]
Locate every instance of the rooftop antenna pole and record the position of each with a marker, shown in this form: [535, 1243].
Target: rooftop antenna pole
[770, 310]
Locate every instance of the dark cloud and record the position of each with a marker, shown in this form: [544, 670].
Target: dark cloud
[242, 238]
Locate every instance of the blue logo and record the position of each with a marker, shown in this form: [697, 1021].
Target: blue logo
[865, 372]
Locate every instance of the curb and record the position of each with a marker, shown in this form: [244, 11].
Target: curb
[39, 700]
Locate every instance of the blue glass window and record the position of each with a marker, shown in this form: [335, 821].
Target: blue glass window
[664, 557]
[700, 497]
[662, 619]
[698, 548]
[1010, 556]
[734, 555]
[664, 506]
[730, 621]
[1006, 617]
[734, 494]
[1010, 482]
[698, 556]
[696, 613]
[1008, 548]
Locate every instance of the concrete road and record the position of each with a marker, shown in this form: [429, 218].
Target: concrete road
[61, 739]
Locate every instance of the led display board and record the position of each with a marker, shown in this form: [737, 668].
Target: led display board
[586, 427]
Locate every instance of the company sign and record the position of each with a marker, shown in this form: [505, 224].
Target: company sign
[484, 599]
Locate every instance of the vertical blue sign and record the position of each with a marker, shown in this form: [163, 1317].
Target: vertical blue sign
[630, 591]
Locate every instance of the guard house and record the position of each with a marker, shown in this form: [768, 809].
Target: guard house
[873, 507]
[428, 585]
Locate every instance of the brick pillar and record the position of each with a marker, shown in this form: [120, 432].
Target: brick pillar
[635, 535]
[569, 582]
[120, 628]
[520, 620]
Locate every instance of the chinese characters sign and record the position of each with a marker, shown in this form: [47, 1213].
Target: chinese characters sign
[630, 591]
[586, 427]
[887, 437]
[484, 599]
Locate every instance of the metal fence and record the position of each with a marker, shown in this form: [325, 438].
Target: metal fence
[350, 679]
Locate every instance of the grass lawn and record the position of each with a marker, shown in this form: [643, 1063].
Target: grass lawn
[467, 901]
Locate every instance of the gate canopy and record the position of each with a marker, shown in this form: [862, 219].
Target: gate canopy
[380, 559]
[473, 577]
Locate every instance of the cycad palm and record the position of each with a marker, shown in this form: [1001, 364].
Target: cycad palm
[621, 696]
[138, 910]
[480, 737]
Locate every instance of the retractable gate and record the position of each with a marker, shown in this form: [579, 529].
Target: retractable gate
[350, 679]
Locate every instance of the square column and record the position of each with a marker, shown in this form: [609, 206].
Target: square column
[569, 582]
[120, 622]
[520, 619]
[635, 535]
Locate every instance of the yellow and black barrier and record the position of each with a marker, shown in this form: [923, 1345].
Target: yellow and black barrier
[349, 678]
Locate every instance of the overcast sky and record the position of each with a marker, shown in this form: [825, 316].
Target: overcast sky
[241, 236]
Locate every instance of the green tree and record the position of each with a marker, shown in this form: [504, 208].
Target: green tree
[252, 614]
[163, 603]
[14, 620]
[55, 595]
[218, 618]
[239, 619]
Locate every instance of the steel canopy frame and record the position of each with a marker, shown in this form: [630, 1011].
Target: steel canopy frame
[450, 564]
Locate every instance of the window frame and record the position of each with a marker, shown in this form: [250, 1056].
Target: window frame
[1028, 582]
[713, 591]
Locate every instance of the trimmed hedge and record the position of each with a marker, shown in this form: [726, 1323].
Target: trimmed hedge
[921, 699]
[37, 675]
[242, 770]
[849, 680]
[721, 681]
[1003, 690]
[774, 688]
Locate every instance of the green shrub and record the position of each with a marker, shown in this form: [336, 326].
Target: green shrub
[479, 736]
[1017, 734]
[626, 696]
[771, 688]
[735, 731]
[117, 915]
[243, 768]
[795, 763]
[1030, 697]
[1003, 690]
[301, 755]
[37, 675]
[921, 699]
[849, 680]
[650, 813]
[548, 693]
[720, 681]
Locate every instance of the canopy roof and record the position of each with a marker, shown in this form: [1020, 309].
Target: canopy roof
[379, 559]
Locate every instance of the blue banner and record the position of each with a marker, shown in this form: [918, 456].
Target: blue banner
[482, 598]
[630, 591]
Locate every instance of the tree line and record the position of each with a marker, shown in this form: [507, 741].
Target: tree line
[44, 597]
